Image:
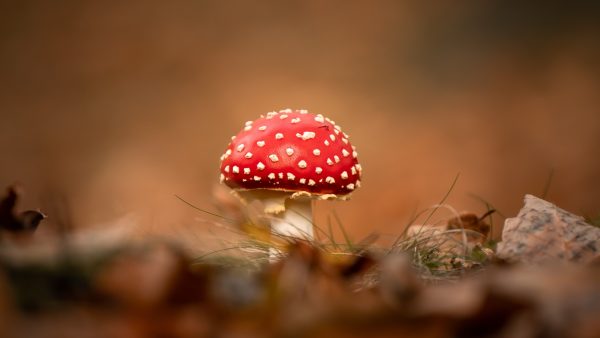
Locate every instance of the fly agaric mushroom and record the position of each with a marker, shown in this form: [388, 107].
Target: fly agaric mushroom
[286, 159]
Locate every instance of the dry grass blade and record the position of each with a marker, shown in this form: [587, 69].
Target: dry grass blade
[204, 211]
[412, 220]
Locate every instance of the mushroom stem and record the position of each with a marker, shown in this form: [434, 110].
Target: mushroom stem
[296, 221]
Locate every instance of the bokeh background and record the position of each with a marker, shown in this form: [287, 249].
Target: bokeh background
[115, 106]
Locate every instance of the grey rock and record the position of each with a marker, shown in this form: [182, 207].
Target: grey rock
[542, 232]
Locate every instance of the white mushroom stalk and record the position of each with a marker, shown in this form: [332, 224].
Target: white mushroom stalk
[290, 215]
[296, 221]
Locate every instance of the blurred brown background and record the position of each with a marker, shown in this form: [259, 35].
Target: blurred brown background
[117, 106]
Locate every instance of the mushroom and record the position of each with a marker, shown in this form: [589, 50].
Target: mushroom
[286, 159]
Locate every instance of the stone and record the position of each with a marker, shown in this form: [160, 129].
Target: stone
[542, 233]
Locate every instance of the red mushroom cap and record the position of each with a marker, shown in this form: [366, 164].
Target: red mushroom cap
[291, 151]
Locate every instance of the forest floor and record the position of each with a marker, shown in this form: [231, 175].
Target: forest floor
[431, 282]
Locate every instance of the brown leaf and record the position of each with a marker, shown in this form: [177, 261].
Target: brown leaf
[13, 221]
